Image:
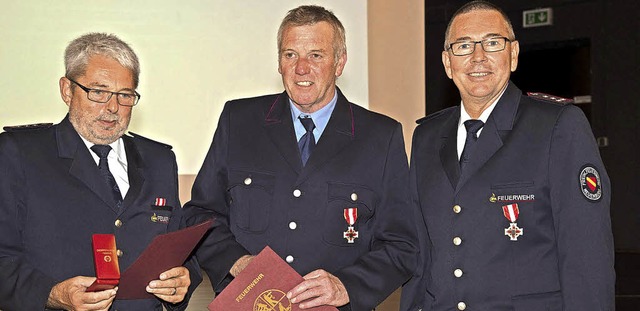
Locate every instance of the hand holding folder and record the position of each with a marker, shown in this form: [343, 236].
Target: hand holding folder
[166, 251]
[262, 285]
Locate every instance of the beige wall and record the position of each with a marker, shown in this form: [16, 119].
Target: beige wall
[396, 61]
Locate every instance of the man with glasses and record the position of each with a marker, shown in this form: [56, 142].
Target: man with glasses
[60, 184]
[511, 194]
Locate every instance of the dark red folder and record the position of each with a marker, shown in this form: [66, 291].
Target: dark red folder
[262, 285]
[105, 261]
[166, 251]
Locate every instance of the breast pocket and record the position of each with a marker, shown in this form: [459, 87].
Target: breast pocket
[349, 208]
[513, 207]
[251, 196]
[521, 193]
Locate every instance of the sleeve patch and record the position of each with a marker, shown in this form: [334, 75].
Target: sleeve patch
[590, 184]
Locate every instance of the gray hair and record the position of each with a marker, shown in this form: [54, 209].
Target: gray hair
[311, 15]
[478, 5]
[78, 52]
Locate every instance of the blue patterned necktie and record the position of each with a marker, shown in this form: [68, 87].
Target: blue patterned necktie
[472, 126]
[307, 141]
[103, 151]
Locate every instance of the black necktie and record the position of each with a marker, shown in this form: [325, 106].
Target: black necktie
[472, 126]
[103, 151]
[307, 141]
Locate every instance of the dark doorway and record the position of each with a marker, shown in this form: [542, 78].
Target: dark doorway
[557, 68]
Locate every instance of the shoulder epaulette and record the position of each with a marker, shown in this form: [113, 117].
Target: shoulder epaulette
[433, 115]
[26, 127]
[150, 140]
[550, 98]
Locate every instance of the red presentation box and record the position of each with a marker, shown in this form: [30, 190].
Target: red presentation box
[105, 260]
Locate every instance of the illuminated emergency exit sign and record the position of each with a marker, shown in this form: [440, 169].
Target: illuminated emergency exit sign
[537, 17]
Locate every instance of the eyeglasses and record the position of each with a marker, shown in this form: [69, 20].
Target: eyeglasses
[103, 96]
[462, 48]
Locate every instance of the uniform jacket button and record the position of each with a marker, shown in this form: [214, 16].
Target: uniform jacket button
[457, 272]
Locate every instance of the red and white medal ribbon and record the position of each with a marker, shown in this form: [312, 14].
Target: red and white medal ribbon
[511, 212]
[161, 202]
[350, 215]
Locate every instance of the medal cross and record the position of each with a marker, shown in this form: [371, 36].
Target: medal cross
[351, 234]
[513, 231]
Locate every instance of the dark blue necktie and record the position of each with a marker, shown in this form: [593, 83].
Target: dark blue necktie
[103, 151]
[472, 126]
[307, 141]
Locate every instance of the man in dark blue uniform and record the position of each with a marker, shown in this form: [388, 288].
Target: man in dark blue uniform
[512, 194]
[60, 184]
[320, 180]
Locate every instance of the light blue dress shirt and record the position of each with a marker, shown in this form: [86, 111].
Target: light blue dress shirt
[320, 118]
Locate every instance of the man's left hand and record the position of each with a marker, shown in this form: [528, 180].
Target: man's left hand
[319, 288]
[172, 285]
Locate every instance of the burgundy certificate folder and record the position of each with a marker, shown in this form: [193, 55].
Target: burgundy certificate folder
[166, 251]
[262, 285]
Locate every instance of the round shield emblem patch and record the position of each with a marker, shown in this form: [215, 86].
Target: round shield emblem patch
[272, 300]
[590, 183]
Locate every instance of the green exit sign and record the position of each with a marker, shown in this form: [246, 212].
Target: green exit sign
[537, 17]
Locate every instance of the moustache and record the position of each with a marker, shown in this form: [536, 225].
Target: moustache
[108, 118]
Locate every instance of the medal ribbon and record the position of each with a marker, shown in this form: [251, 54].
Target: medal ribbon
[351, 215]
[161, 202]
[511, 212]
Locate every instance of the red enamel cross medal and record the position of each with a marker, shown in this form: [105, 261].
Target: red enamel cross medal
[511, 212]
[350, 215]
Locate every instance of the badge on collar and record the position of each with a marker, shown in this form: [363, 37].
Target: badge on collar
[590, 184]
[350, 215]
[511, 212]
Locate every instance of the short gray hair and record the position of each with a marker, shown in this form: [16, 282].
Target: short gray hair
[478, 5]
[311, 15]
[78, 52]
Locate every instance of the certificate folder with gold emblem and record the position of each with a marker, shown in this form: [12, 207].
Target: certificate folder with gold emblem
[262, 286]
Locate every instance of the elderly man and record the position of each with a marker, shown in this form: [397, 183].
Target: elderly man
[60, 184]
[320, 180]
[512, 193]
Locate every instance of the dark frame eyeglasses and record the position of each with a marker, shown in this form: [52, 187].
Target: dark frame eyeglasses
[489, 45]
[103, 96]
